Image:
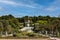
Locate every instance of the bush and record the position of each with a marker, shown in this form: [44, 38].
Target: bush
[31, 34]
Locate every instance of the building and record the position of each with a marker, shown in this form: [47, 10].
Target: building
[27, 28]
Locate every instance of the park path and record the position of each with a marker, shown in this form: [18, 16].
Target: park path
[23, 39]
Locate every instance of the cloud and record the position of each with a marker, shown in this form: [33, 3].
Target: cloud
[1, 9]
[9, 2]
[54, 6]
[51, 8]
[56, 3]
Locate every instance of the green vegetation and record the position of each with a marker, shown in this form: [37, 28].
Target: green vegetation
[45, 25]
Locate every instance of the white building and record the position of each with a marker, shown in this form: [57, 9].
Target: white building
[28, 28]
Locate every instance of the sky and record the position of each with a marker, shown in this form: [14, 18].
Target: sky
[19, 8]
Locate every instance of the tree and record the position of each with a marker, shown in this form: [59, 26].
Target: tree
[1, 28]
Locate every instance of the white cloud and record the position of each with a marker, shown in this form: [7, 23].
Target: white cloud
[9, 2]
[54, 6]
[1, 8]
[56, 3]
[51, 8]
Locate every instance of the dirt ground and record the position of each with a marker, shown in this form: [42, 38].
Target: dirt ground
[24, 39]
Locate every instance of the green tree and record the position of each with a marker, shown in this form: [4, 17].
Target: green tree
[1, 28]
